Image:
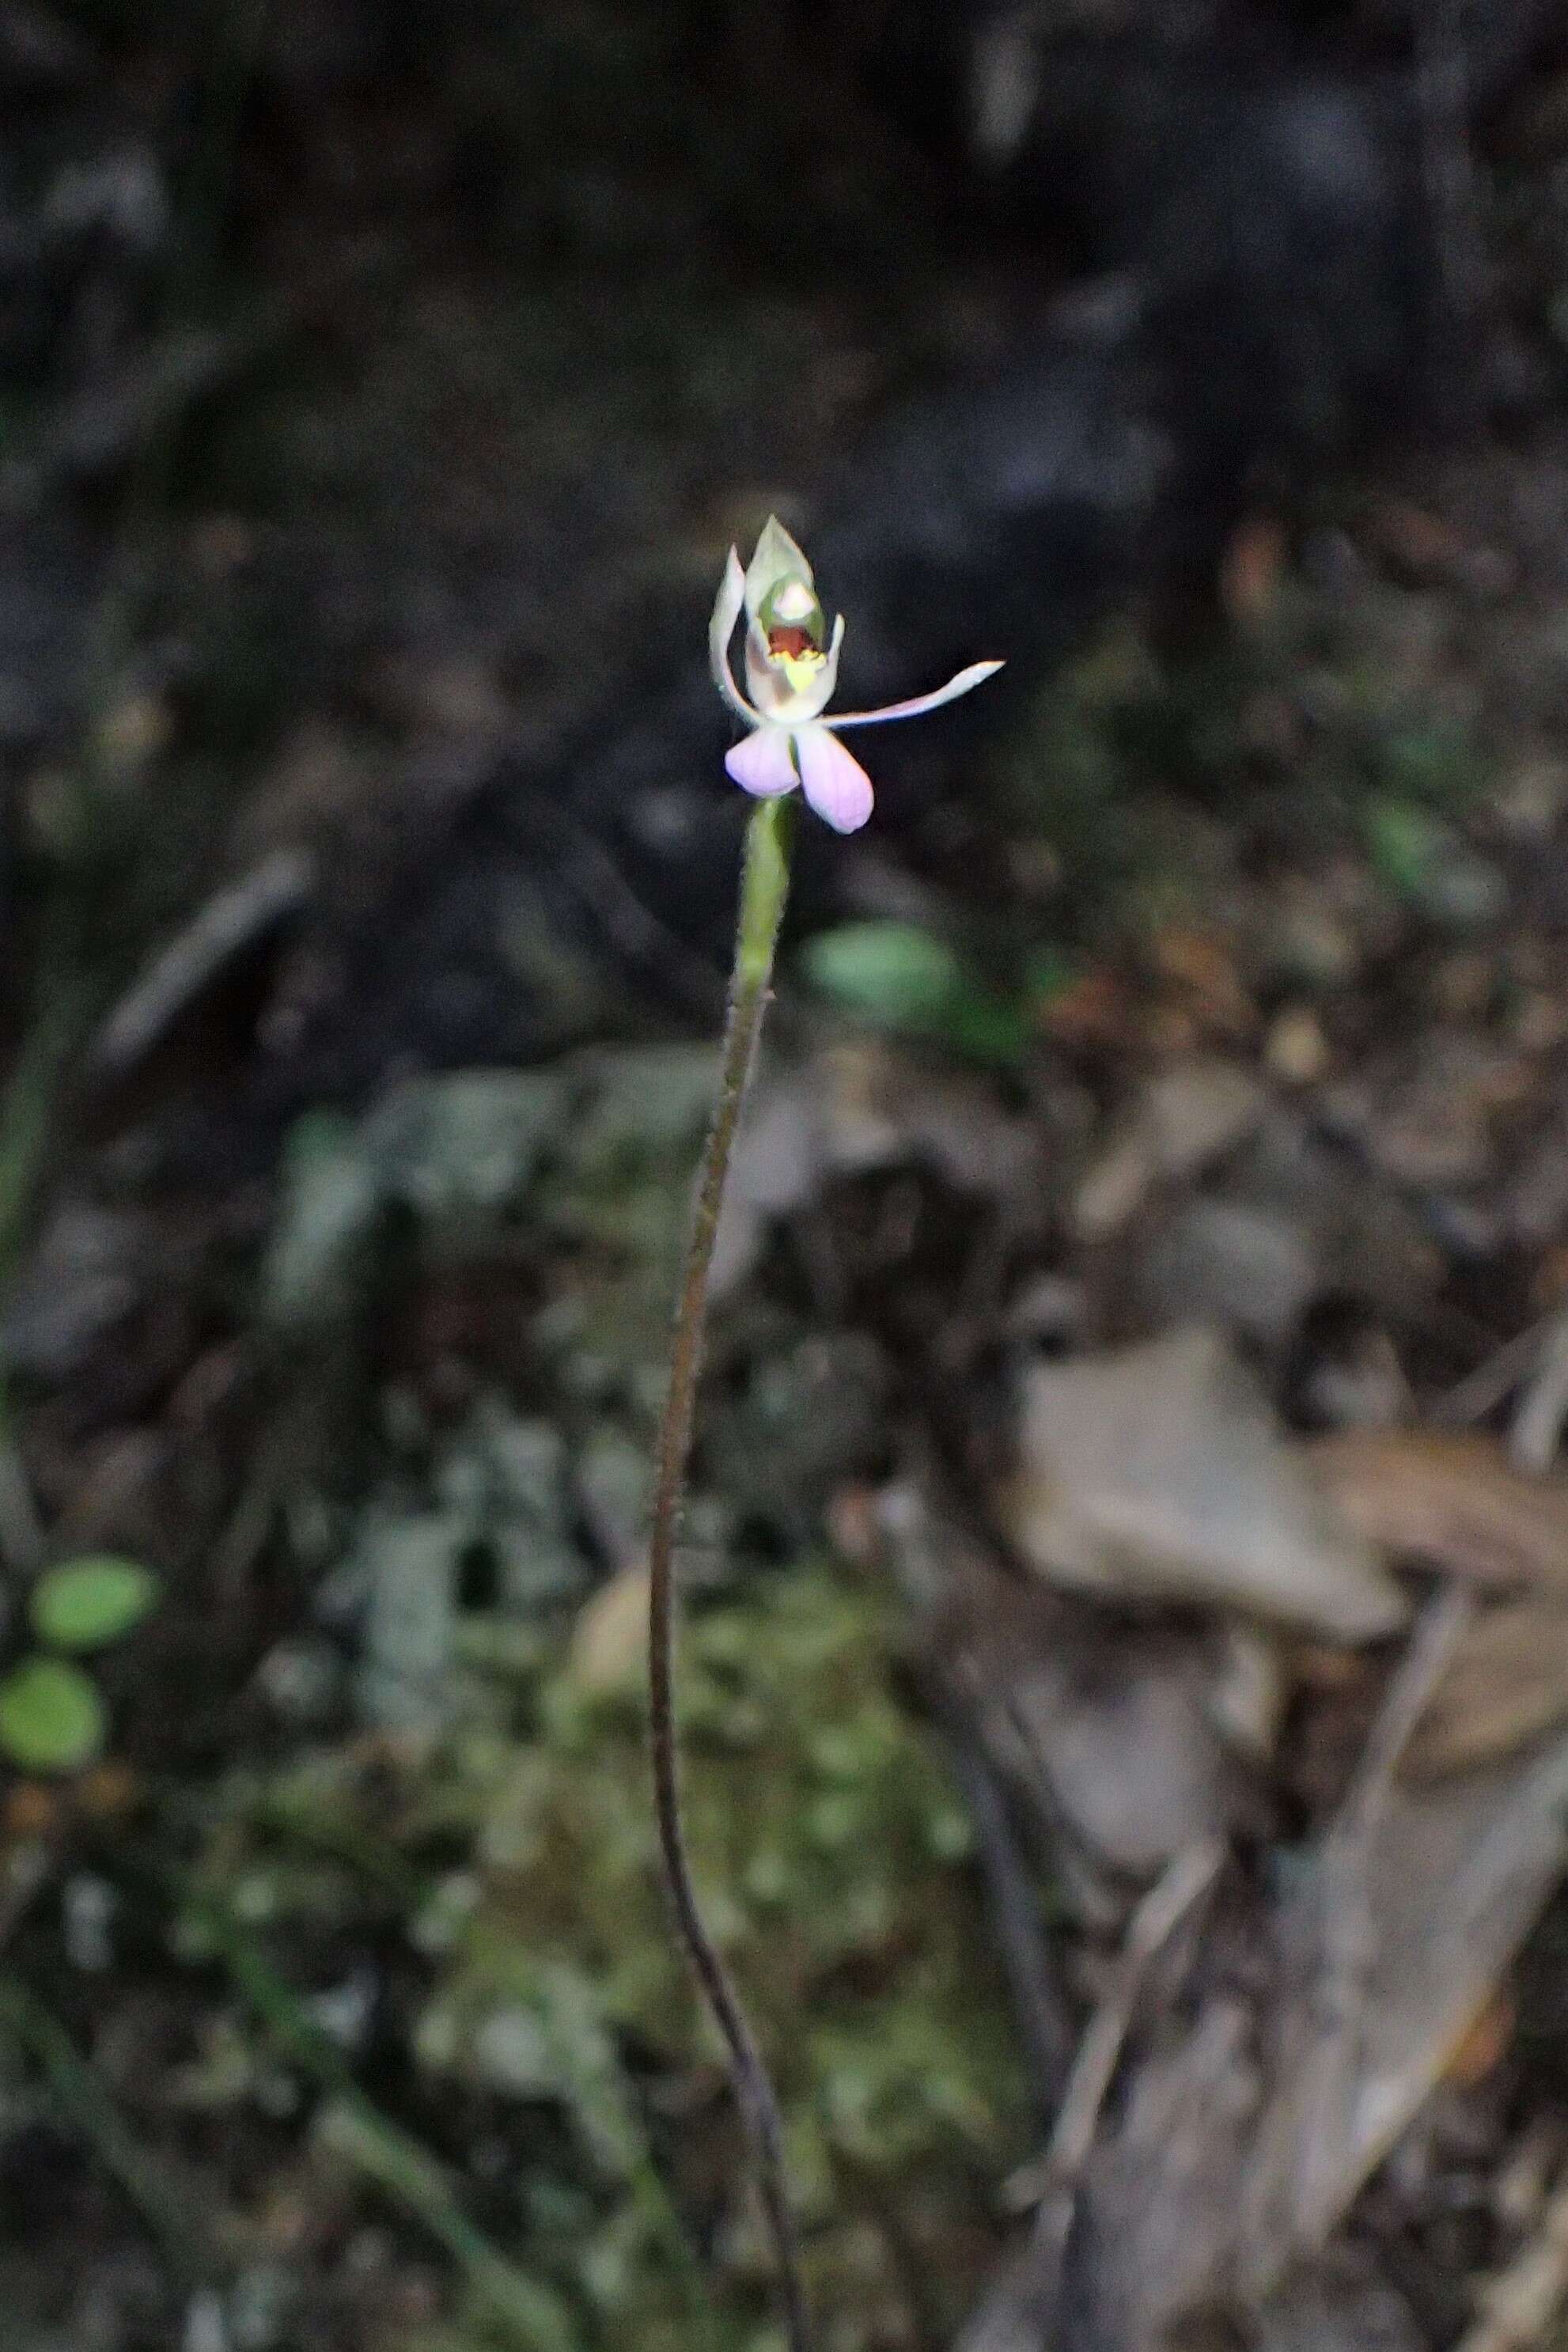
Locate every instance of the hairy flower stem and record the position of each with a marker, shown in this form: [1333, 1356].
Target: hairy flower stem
[765, 886]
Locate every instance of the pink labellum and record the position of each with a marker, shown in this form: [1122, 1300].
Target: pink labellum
[761, 763]
[836, 785]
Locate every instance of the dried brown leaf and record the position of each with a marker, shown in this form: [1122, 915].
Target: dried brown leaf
[1452, 1501]
[1508, 1684]
[1455, 1502]
[609, 1641]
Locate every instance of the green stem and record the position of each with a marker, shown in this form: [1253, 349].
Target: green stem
[534, 2316]
[764, 886]
[160, 2201]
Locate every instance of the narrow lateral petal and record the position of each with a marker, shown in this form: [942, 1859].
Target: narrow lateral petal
[721, 628]
[762, 764]
[976, 675]
[836, 785]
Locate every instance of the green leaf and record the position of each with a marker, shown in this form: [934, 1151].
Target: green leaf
[84, 1604]
[893, 973]
[1047, 974]
[52, 1716]
[1406, 843]
[898, 977]
[1432, 867]
[986, 1028]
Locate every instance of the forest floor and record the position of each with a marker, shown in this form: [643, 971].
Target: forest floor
[1125, 1483]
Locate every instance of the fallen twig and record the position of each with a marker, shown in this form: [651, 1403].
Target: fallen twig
[1536, 1432]
[1520, 2304]
[1039, 2004]
[1346, 1916]
[1184, 1882]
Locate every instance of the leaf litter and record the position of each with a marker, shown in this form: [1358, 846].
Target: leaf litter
[1173, 1685]
[1113, 1628]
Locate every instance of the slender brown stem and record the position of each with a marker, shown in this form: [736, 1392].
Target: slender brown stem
[764, 885]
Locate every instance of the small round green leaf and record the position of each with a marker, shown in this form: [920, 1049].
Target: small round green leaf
[893, 973]
[84, 1604]
[1406, 842]
[52, 1716]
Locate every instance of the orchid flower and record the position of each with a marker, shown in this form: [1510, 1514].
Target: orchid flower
[792, 667]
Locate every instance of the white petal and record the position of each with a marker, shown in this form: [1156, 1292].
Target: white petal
[976, 675]
[721, 628]
[836, 785]
[766, 687]
[830, 679]
[763, 764]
